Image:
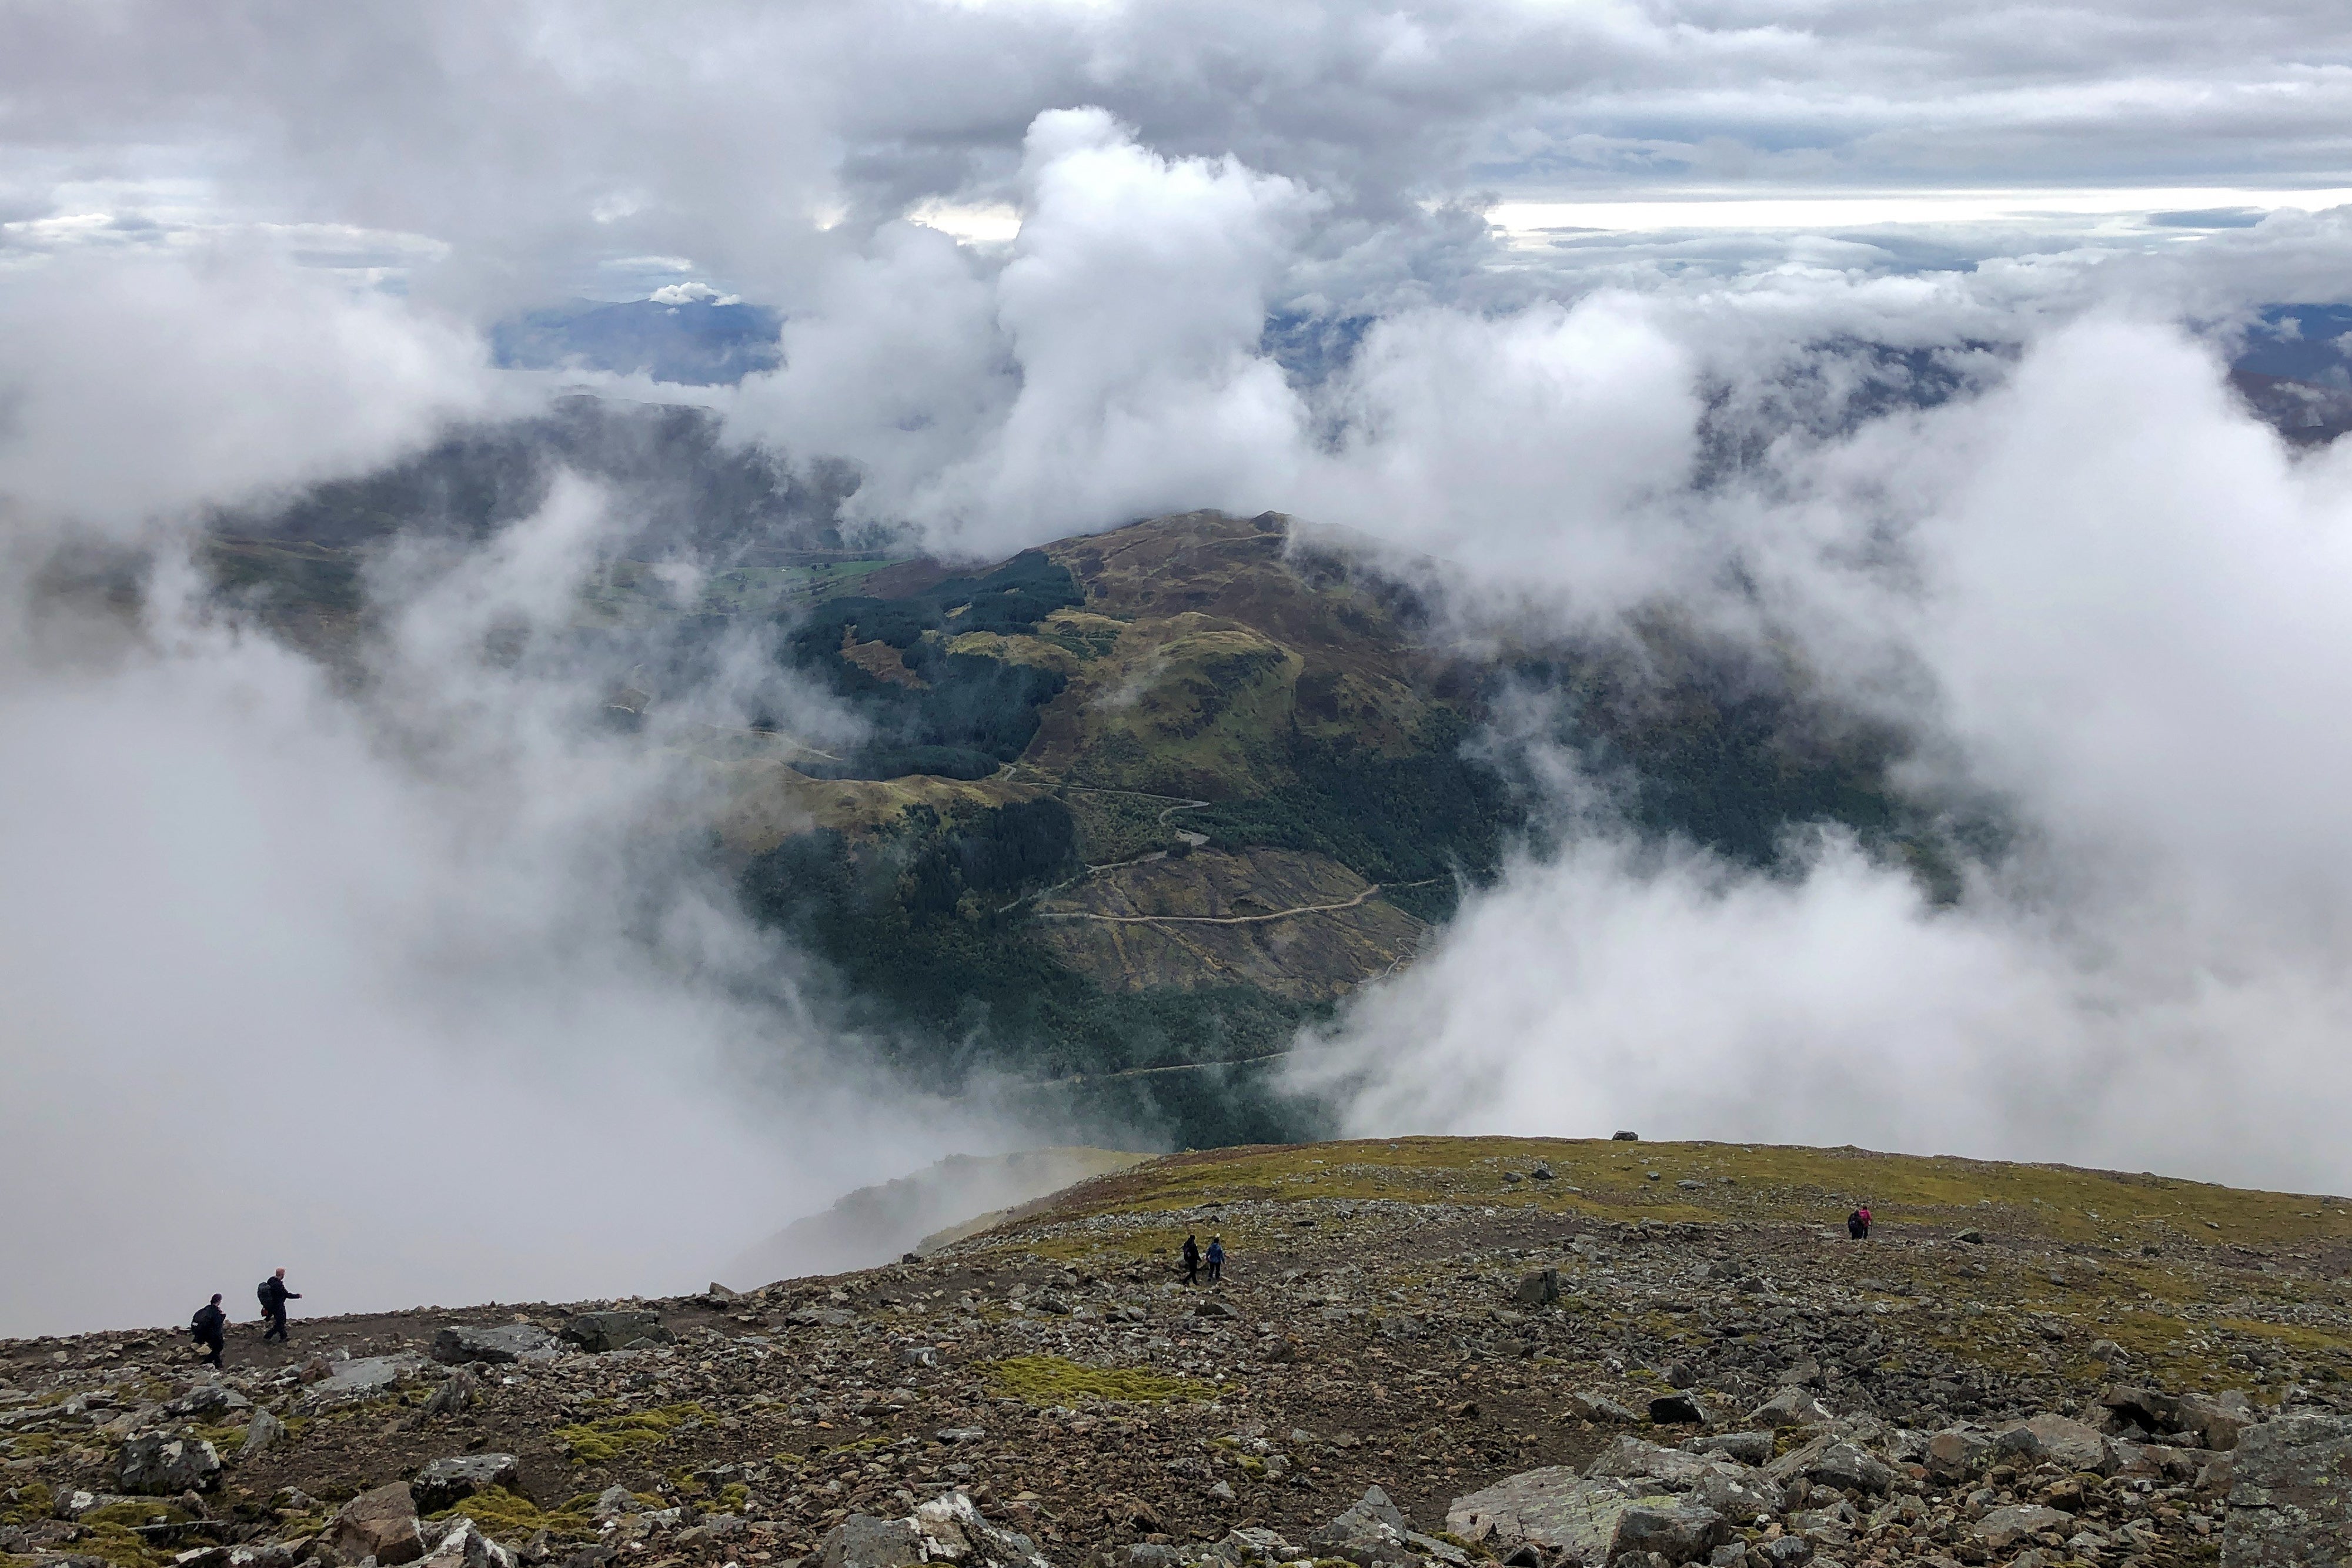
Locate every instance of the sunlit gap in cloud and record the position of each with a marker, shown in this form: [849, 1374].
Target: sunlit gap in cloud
[2107, 211]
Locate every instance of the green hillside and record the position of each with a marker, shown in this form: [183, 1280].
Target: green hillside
[1131, 808]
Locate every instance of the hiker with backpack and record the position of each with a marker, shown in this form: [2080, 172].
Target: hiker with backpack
[274, 1296]
[209, 1329]
[1192, 1260]
[1855, 1227]
[1216, 1258]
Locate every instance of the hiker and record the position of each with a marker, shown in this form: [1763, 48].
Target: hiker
[1192, 1260]
[1216, 1258]
[209, 1328]
[1864, 1212]
[274, 1296]
[1854, 1225]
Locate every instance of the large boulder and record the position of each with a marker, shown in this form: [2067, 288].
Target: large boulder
[1748, 1447]
[2005, 1527]
[445, 1481]
[2291, 1494]
[948, 1527]
[1631, 1458]
[1848, 1465]
[1957, 1451]
[1741, 1494]
[463, 1545]
[1369, 1531]
[381, 1524]
[356, 1381]
[160, 1464]
[1789, 1408]
[1680, 1531]
[1601, 1408]
[262, 1433]
[2066, 1443]
[458, 1343]
[1539, 1288]
[619, 1330]
[1554, 1510]
[2215, 1422]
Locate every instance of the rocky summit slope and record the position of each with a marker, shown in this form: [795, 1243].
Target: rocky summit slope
[1422, 1352]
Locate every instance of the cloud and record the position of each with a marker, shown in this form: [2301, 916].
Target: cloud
[2122, 593]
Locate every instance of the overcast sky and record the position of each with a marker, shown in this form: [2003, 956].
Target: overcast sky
[1960, 285]
[492, 154]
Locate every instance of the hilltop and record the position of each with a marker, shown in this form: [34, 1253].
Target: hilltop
[1128, 809]
[1538, 1352]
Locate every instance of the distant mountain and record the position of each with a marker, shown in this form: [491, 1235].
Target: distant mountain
[694, 342]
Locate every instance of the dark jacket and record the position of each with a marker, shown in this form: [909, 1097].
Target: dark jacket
[275, 1295]
[1191, 1252]
[209, 1323]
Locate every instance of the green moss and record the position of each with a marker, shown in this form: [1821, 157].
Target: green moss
[138, 1511]
[33, 1500]
[734, 1497]
[609, 1437]
[1051, 1380]
[510, 1516]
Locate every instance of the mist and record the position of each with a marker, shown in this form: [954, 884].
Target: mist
[415, 975]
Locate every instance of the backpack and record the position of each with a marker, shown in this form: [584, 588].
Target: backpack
[261, 1294]
[196, 1324]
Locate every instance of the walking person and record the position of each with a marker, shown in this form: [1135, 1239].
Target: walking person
[1216, 1258]
[1854, 1225]
[274, 1296]
[1192, 1260]
[209, 1329]
[1864, 1212]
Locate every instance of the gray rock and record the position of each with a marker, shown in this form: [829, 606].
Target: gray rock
[156, 1463]
[1791, 1407]
[821, 1317]
[1788, 1551]
[261, 1434]
[862, 1540]
[458, 1343]
[955, 1531]
[1843, 1465]
[614, 1503]
[1748, 1447]
[463, 1545]
[381, 1524]
[961, 1434]
[445, 1481]
[1957, 1451]
[1151, 1554]
[1369, 1531]
[357, 1381]
[1741, 1493]
[2060, 1441]
[1632, 1459]
[209, 1401]
[2290, 1494]
[1538, 1288]
[599, 1332]
[2005, 1527]
[1678, 1531]
[1625, 1137]
[2216, 1422]
[1677, 1410]
[457, 1391]
[1601, 1408]
[1554, 1510]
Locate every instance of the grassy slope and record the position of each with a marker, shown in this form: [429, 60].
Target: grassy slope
[2182, 1274]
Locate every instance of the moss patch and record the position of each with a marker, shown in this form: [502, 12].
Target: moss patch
[609, 1437]
[1051, 1380]
[510, 1516]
